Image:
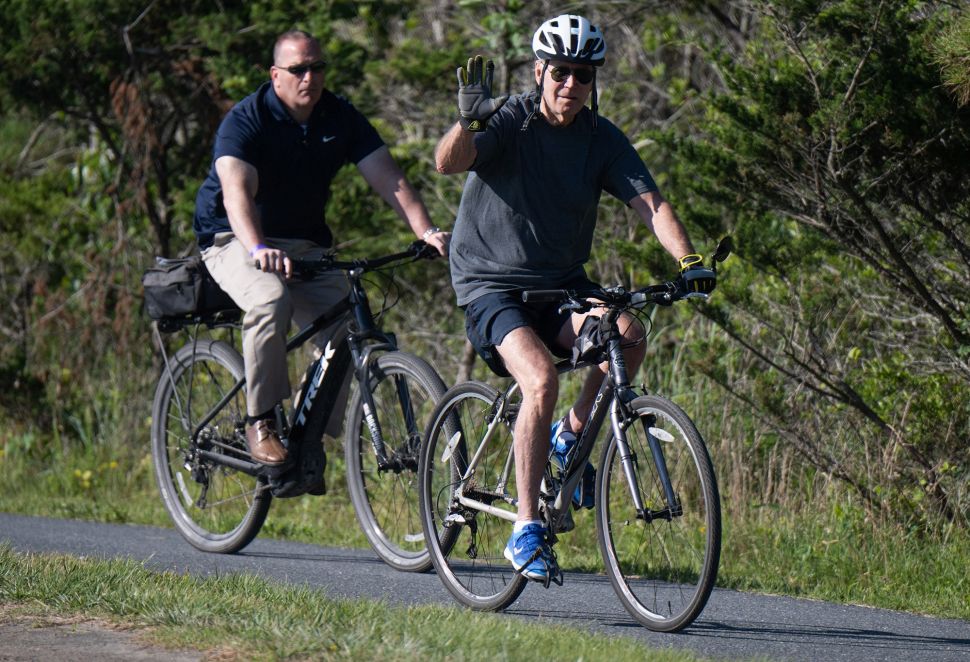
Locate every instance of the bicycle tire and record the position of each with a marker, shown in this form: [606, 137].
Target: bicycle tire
[466, 546]
[233, 504]
[386, 502]
[664, 570]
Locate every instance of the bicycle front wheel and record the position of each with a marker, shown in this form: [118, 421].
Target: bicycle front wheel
[215, 507]
[405, 389]
[662, 562]
[465, 537]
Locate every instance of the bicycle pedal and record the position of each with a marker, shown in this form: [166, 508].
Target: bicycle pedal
[584, 497]
[554, 577]
[567, 523]
[276, 472]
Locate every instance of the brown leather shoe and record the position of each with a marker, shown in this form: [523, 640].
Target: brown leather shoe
[264, 444]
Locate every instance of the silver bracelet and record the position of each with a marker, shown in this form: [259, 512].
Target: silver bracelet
[434, 229]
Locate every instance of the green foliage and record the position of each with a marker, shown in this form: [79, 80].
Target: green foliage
[824, 136]
[951, 52]
[838, 162]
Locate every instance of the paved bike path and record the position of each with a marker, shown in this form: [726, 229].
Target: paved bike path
[734, 624]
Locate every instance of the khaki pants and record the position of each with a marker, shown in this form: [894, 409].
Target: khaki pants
[269, 302]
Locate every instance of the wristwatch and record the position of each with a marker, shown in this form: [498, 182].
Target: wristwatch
[434, 229]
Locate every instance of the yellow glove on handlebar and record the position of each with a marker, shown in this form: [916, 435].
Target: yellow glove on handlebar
[695, 276]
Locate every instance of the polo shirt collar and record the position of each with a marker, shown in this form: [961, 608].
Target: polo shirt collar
[279, 111]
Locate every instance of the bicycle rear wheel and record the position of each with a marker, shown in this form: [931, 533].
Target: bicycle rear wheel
[216, 508]
[405, 390]
[664, 569]
[467, 544]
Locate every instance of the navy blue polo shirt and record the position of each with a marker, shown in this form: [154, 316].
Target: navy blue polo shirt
[296, 164]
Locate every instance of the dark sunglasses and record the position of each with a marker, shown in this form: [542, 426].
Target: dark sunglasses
[299, 70]
[582, 76]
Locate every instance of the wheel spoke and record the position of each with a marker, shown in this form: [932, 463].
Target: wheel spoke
[405, 390]
[467, 546]
[216, 508]
[663, 570]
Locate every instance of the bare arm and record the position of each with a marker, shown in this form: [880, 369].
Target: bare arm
[658, 215]
[386, 177]
[455, 151]
[240, 181]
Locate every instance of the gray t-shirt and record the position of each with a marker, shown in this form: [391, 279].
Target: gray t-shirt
[528, 209]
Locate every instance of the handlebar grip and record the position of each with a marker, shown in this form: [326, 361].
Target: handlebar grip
[305, 265]
[544, 295]
[424, 250]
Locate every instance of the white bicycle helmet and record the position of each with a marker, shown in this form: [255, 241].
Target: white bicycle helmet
[569, 38]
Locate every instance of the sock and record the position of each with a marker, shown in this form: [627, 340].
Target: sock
[271, 414]
[521, 524]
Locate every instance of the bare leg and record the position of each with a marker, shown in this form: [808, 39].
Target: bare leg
[529, 363]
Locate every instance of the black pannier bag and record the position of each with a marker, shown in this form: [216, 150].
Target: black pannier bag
[182, 287]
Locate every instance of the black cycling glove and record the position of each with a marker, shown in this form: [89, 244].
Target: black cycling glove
[695, 276]
[475, 102]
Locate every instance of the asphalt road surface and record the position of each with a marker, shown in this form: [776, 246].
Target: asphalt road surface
[734, 624]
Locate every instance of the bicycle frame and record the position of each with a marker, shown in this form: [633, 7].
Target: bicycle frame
[661, 558]
[363, 340]
[611, 398]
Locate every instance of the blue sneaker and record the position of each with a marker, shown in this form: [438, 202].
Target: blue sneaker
[562, 444]
[531, 555]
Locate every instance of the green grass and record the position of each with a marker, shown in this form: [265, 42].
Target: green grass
[831, 553]
[841, 556]
[242, 616]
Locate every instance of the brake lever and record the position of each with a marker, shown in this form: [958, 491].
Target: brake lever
[574, 307]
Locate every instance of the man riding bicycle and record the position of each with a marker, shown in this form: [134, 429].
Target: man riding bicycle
[275, 155]
[538, 163]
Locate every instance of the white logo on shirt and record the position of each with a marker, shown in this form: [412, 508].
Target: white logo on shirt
[327, 139]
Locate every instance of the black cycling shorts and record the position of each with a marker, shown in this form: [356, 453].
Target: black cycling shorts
[490, 317]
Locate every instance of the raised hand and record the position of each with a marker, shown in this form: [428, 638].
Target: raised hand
[475, 101]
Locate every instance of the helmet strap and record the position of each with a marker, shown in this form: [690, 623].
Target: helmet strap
[595, 101]
[542, 78]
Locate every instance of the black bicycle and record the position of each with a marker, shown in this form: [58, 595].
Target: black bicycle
[218, 497]
[657, 508]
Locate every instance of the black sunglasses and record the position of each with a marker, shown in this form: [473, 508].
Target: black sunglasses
[299, 70]
[582, 75]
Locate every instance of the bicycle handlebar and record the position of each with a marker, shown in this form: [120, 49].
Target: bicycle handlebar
[417, 250]
[662, 294]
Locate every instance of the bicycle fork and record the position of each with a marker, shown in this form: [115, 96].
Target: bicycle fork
[396, 462]
[363, 358]
[628, 460]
